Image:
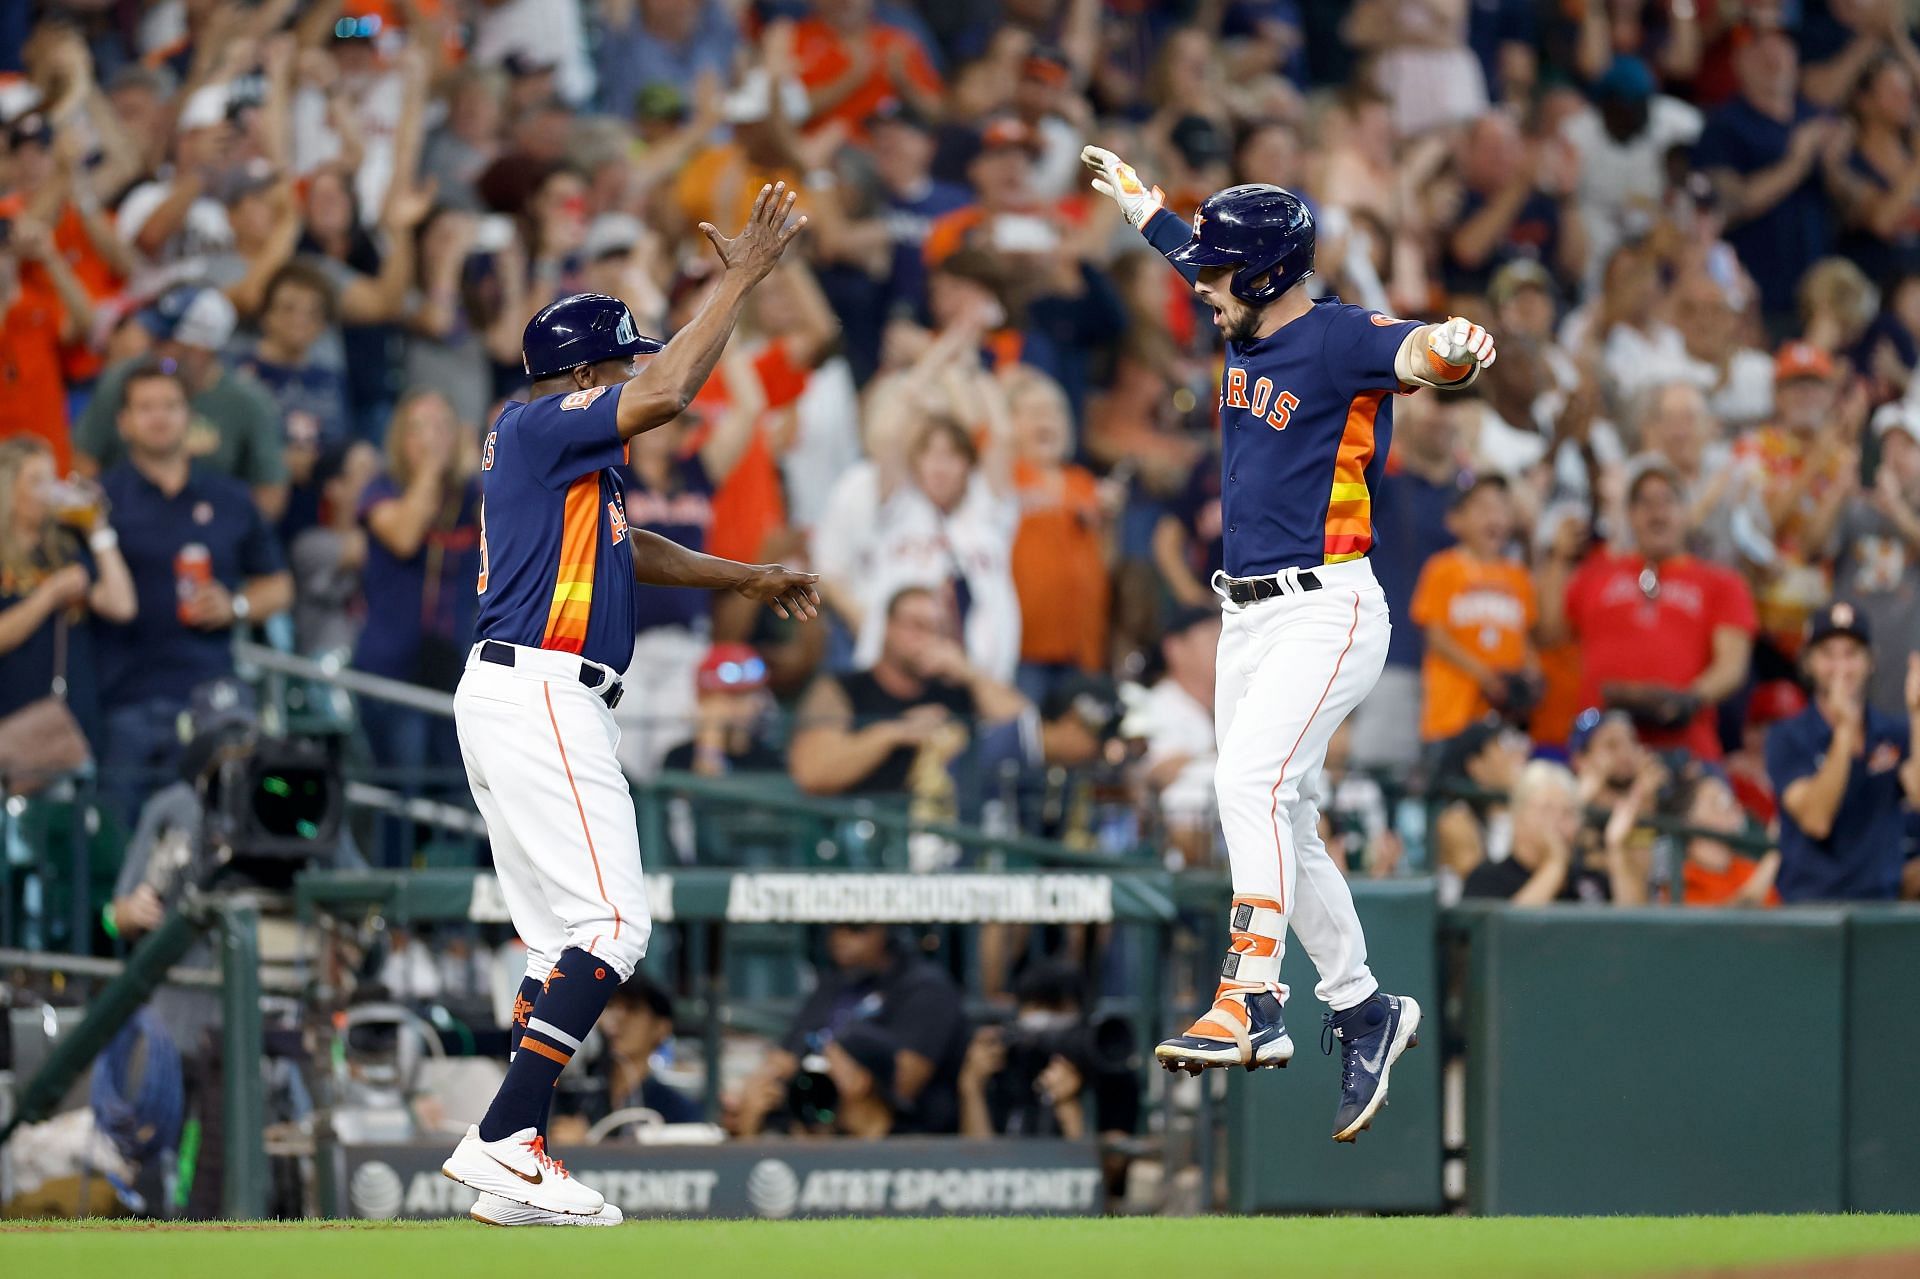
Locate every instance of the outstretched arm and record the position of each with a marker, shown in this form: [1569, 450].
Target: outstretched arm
[659, 561]
[1142, 206]
[668, 384]
[1444, 355]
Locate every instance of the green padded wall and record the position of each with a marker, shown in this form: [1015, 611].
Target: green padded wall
[1645, 1061]
[1883, 1061]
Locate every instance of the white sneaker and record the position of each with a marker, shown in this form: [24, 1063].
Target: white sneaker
[495, 1211]
[518, 1168]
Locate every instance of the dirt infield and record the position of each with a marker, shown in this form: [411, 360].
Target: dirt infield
[1896, 1265]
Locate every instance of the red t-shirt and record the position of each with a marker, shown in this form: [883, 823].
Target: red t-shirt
[1666, 640]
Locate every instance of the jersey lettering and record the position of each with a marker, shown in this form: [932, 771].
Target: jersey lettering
[617, 521]
[486, 453]
[481, 587]
[580, 399]
[1262, 393]
[1283, 408]
[1236, 388]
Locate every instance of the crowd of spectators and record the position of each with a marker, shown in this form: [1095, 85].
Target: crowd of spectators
[265, 267]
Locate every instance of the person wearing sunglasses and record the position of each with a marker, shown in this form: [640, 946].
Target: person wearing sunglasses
[732, 705]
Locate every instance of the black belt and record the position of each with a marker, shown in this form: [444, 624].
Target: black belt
[502, 655]
[1251, 590]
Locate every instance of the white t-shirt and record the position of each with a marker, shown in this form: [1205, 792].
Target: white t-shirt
[847, 531]
[544, 30]
[826, 442]
[1181, 726]
[918, 546]
[1623, 180]
[205, 230]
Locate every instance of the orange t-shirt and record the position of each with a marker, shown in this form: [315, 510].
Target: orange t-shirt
[1703, 887]
[751, 503]
[1060, 568]
[823, 56]
[1488, 609]
[33, 392]
[718, 185]
[79, 361]
[1559, 706]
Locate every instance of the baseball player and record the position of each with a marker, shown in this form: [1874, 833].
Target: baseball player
[1305, 421]
[558, 563]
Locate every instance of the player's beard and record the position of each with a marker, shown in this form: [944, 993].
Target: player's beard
[1240, 324]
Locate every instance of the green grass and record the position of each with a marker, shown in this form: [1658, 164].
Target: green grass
[1321, 1248]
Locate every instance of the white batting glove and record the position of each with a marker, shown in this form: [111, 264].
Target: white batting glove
[1118, 182]
[1460, 341]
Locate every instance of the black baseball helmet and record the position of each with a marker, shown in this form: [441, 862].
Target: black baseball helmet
[583, 329]
[1264, 230]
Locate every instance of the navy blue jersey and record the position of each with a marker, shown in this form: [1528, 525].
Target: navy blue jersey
[556, 570]
[1861, 857]
[1306, 418]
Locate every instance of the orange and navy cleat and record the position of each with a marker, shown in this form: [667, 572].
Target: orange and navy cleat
[1243, 1028]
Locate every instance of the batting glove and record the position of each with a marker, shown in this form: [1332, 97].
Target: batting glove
[1118, 182]
[1460, 343]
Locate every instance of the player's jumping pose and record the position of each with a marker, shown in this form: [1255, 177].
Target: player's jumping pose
[558, 564]
[1305, 420]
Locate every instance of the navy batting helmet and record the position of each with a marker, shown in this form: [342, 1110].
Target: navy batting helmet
[1264, 230]
[583, 329]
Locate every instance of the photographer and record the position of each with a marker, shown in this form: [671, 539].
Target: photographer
[847, 1090]
[1033, 1076]
[875, 983]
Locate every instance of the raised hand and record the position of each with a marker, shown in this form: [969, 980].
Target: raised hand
[789, 593]
[764, 238]
[1115, 179]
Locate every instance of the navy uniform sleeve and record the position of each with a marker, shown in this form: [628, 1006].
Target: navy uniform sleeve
[1360, 348]
[563, 437]
[1167, 232]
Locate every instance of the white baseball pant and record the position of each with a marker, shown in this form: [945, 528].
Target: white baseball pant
[1290, 669]
[539, 749]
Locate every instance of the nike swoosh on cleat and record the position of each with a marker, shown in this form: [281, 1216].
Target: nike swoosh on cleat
[534, 1180]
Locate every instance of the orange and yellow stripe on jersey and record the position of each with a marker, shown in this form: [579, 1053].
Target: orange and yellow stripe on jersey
[573, 584]
[1350, 508]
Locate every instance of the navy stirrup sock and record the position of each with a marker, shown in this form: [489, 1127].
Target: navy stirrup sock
[567, 1005]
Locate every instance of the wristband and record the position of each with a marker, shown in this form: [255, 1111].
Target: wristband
[241, 606]
[108, 922]
[102, 540]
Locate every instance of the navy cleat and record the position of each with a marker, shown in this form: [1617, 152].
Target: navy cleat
[1243, 1028]
[1372, 1036]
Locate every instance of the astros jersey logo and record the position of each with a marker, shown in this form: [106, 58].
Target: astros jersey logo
[617, 520]
[1282, 405]
[580, 399]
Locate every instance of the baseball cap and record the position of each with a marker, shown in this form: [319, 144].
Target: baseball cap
[1186, 618]
[1643, 466]
[660, 101]
[1897, 416]
[1587, 723]
[1626, 79]
[1521, 273]
[731, 668]
[1007, 131]
[191, 315]
[1838, 618]
[1200, 141]
[1471, 484]
[611, 233]
[901, 112]
[1048, 64]
[1801, 358]
[1774, 700]
[753, 100]
[205, 107]
[31, 129]
[1091, 699]
[520, 64]
[1457, 751]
